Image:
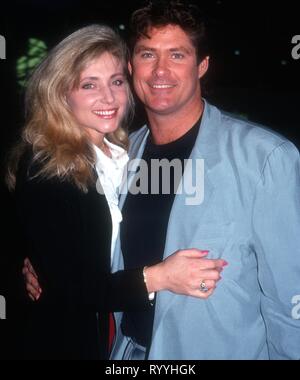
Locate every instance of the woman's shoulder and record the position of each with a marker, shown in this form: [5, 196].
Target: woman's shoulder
[30, 175]
[32, 181]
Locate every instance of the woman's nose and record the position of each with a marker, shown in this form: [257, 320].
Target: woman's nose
[107, 95]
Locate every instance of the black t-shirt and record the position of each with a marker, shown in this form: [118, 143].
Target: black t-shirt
[145, 221]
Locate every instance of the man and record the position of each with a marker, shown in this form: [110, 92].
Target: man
[250, 213]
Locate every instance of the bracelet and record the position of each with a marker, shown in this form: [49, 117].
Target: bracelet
[151, 295]
[144, 274]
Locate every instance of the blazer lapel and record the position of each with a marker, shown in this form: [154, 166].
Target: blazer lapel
[135, 154]
[185, 218]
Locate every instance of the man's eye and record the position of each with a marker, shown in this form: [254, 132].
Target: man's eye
[88, 86]
[118, 82]
[146, 55]
[177, 55]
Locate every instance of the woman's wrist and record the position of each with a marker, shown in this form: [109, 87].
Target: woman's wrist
[153, 278]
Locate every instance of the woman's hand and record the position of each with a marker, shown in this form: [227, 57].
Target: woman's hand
[31, 281]
[186, 272]
[181, 273]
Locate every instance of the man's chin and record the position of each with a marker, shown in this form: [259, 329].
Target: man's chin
[161, 109]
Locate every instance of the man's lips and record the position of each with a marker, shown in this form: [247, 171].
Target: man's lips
[161, 86]
[106, 114]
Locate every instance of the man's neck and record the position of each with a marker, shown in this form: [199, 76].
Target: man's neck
[168, 128]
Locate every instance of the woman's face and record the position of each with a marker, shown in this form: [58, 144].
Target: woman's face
[99, 103]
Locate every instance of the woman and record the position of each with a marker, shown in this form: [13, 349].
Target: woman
[66, 173]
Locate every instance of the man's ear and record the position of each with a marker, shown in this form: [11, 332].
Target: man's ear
[203, 67]
[129, 67]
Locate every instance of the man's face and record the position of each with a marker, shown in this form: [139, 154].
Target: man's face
[165, 71]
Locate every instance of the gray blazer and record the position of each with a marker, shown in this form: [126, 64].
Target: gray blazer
[250, 216]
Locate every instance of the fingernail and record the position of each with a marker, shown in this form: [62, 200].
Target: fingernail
[225, 263]
[205, 252]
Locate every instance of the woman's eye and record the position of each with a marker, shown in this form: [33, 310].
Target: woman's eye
[88, 86]
[118, 82]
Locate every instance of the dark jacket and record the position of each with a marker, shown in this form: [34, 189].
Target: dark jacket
[68, 239]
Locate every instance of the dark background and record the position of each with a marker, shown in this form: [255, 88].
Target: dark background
[252, 74]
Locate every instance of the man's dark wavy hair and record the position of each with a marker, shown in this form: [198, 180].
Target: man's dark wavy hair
[159, 13]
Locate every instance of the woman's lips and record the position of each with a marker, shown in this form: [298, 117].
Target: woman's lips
[106, 114]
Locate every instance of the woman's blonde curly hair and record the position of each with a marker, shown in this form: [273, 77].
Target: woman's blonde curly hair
[57, 141]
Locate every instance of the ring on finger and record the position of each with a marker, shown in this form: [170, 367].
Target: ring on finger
[203, 287]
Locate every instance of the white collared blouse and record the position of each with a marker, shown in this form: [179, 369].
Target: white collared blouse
[110, 173]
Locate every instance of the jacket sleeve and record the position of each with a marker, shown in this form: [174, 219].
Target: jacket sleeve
[53, 229]
[276, 226]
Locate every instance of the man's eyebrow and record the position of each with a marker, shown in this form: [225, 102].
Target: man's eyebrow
[141, 48]
[181, 48]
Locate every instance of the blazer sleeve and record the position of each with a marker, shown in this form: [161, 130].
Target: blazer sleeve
[276, 226]
[50, 217]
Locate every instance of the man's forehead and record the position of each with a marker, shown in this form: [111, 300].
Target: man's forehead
[169, 36]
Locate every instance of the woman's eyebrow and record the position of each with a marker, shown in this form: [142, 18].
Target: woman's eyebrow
[89, 78]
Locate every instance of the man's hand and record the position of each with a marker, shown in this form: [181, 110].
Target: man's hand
[31, 281]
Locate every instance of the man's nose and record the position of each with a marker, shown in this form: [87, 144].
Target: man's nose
[107, 95]
[161, 67]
